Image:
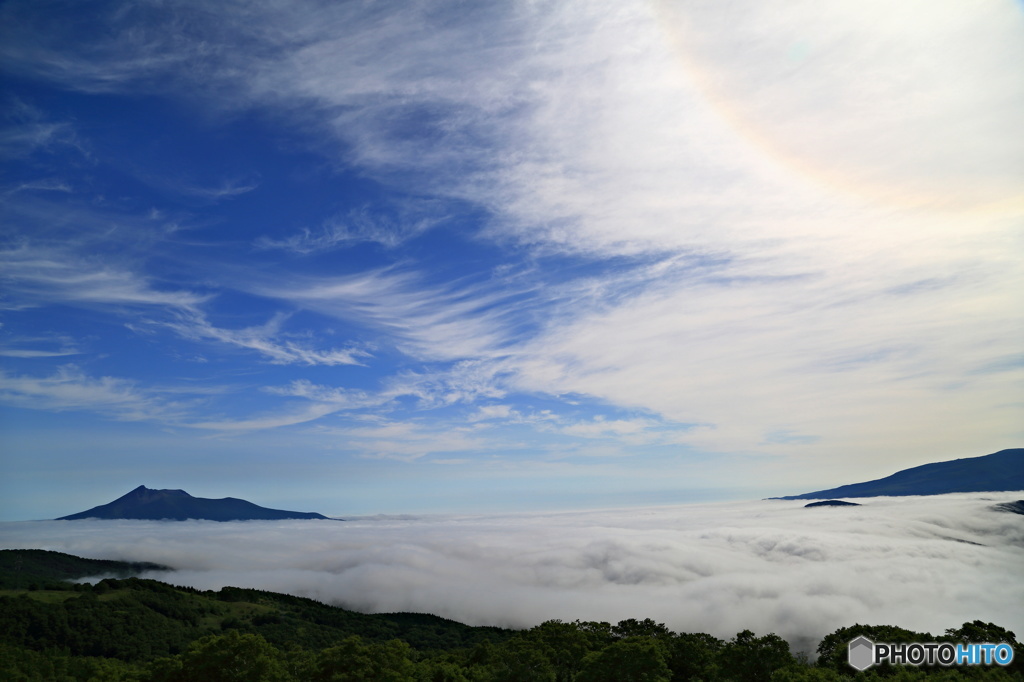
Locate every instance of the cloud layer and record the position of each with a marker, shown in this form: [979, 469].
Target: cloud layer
[771, 566]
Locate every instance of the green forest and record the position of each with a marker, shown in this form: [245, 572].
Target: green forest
[131, 629]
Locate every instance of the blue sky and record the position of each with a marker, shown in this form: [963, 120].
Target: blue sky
[435, 256]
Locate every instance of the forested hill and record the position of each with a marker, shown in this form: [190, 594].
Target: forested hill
[22, 568]
[149, 631]
[1000, 471]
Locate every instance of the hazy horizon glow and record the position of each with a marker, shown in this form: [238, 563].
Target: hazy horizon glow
[924, 563]
[433, 256]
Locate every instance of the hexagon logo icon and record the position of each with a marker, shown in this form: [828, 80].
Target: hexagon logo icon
[861, 653]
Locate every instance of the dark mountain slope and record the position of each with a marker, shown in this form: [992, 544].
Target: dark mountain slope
[178, 505]
[21, 567]
[1003, 470]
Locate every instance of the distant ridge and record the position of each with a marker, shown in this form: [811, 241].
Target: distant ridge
[178, 505]
[1003, 470]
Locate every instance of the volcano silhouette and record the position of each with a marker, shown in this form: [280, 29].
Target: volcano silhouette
[178, 505]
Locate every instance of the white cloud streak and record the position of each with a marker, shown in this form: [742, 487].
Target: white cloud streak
[316, 402]
[38, 347]
[430, 322]
[39, 276]
[27, 130]
[408, 441]
[29, 353]
[69, 388]
[25, 138]
[353, 228]
[265, 339]
[772, 566]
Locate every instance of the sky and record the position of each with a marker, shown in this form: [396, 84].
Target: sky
[452, 257]
[926, 564]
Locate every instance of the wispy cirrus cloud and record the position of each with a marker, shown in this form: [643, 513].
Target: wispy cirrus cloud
[25, 138]
[71, 389]
[146, 48]
[27, 130]
[426, 320]
[267, 339]
[637, 430]
[226, 190]
[280, 416]
[381, 438]
[45, 185]
[355, 227]
[32, 353]
[37, 276]
[302, 402]
[38, 347]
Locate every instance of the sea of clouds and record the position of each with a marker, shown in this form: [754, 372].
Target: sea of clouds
[924, 563]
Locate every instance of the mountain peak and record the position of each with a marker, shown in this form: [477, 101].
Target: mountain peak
[178, 505]
[143, 489]
[143, 495]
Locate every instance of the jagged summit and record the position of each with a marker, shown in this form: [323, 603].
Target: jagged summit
[177, 505]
